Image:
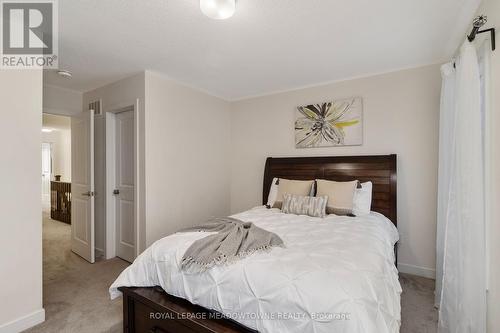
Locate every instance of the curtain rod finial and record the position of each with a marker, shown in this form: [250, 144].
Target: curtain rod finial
[479, 21]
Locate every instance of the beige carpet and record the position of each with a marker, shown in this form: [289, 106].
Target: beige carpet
[75, 293]
[418, 314]
[76, 298]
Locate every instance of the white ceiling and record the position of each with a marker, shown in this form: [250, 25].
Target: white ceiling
[267, 46]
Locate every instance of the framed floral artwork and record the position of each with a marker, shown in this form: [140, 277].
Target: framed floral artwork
[336, 123]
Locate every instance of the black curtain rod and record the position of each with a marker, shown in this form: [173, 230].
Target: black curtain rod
[478, 23]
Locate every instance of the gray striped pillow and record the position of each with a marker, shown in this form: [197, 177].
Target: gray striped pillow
[304, 205]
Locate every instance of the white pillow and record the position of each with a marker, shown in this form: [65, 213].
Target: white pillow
[362, 199]
[273, 193]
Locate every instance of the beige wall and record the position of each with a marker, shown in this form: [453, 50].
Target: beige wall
[491, 8]
[401, 112]
[57, 100]
[61, 152]
[184, 143]
[20, 202]
[187, 156]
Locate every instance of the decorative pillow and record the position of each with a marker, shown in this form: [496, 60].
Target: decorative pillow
[273, 193]
[340, 195]
[362, 199]
[304, 205]
[297, 187]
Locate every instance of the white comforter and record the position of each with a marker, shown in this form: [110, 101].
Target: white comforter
[336, 274]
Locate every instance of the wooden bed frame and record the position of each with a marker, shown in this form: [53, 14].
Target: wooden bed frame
[379, 169]
[152, 310]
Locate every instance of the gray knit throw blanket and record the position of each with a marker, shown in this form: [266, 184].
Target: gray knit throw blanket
[234, 240]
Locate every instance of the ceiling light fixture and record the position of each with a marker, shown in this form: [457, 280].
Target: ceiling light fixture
[218, 9]
[47, 130]
[64, 73]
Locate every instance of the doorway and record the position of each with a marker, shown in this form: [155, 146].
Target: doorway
[124, 185]
[56, 166]
[56, 189]
[104, 188]
[89, 183]
[122, 189]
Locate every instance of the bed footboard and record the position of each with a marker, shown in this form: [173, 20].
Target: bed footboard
[151, 310]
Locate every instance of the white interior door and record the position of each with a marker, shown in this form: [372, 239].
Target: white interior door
[46, 174]
[124, 186]
[82, 185]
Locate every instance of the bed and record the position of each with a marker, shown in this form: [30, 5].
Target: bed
[335, 274]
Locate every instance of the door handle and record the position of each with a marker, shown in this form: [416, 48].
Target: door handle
[116, 192]
[89, 194]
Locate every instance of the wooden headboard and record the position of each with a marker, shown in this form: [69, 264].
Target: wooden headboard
[379, 169]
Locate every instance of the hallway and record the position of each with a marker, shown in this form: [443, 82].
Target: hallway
[75, 293]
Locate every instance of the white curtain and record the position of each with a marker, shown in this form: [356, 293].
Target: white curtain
[461, 270]
[446, 137]
[484, 55]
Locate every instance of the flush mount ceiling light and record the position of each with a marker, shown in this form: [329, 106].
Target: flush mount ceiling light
[218, 9]
[47, 130]
[64, 73]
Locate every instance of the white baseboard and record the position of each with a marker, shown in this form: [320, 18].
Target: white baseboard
[23, 323]
[429, 273]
